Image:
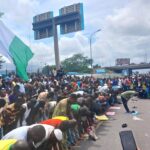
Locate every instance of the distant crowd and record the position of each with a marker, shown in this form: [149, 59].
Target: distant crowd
[55, 112]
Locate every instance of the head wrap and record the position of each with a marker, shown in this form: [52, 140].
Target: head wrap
[63, 118]
[75, 107]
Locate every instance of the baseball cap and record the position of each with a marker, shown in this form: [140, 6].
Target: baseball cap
[58, 134]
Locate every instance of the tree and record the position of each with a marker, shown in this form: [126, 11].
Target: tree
[52, 67]
[46, 70]
[77, 63]
[96, 66]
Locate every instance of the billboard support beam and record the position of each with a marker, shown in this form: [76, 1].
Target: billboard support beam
[56, 48]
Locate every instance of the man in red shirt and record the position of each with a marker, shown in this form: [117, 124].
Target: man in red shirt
[58, 123]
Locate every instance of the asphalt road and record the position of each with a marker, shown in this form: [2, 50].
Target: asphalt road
[108, 132]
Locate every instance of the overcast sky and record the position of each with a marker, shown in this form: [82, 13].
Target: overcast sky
[125, 28]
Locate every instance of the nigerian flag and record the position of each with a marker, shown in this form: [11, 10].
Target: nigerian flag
[13, 48]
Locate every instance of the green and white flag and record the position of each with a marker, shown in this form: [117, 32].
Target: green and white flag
[13, 48]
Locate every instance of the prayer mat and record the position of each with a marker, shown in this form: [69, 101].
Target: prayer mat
[102, 118]
[115, 108]
[110, 113]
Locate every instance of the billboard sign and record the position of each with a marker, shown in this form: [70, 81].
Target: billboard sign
[43, 17]
[42, 30]
[73, 25]
[43, 33]
[122, 61]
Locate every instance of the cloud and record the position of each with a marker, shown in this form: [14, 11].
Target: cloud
[75, 44]
[125, 29]
[127, 32]
[133, 20]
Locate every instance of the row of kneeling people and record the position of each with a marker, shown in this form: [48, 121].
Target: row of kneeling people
[72, 118]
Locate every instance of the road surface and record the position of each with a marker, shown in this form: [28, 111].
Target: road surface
[108, 132]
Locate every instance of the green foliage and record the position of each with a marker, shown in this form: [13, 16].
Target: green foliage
[77, 63]
[46, 70]
[96, 66]
[52, 67]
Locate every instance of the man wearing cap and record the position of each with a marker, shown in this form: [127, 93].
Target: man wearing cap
[52, 140]
[35, 135]
[64, 126]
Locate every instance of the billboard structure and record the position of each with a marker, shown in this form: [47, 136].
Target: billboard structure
[41, 31]
[70, 19]
[122, 61]
[75, 25]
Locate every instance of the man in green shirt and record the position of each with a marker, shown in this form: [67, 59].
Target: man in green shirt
[125, 96]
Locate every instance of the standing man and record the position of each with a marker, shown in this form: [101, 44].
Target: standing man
[125, 96]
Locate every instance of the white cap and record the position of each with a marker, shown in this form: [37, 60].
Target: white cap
[58, 134]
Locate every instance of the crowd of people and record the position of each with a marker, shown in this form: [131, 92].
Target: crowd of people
[56, 112]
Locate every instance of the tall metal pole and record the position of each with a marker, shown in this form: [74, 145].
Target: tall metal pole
[56, 48]
[91, 55]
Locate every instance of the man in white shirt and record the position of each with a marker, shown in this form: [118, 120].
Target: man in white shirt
[21, 87]
[25, 112]
[18, 133]
[35, 134]
[104, 89]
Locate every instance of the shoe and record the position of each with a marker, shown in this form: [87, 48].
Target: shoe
[124, 125]
[129, 112]
[133, 111]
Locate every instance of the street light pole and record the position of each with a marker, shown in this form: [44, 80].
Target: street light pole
[91, 52]
[91, 57]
